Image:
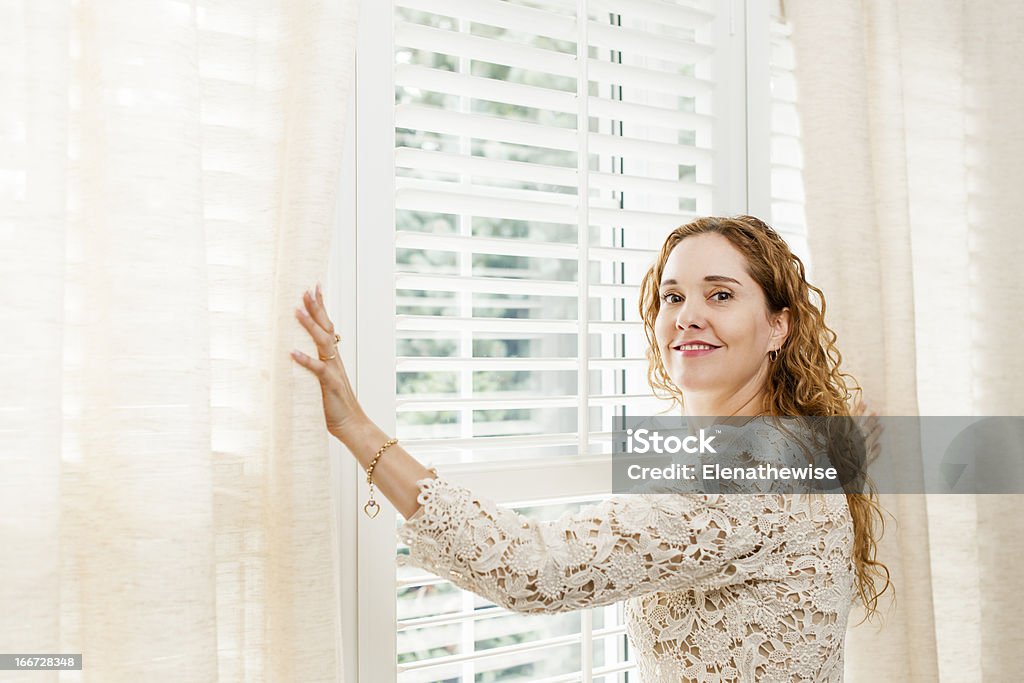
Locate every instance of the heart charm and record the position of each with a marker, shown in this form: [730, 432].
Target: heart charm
[371, 508]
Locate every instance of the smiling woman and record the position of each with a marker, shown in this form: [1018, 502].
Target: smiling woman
[773, 353]
[736, 587]
[715, 328]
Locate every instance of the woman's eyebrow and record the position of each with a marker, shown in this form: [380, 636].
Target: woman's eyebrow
[707, 278]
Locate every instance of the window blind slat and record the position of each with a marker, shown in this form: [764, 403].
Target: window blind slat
[495, 285]
[641, 257]
[643, 114]
[480, 655]
[614, 73]
[508, 441]
[498, 285]
[485, 49]
[484, 127]
[510, 247]
[493, 245]
[511, 326]
[445, 197]
[600, 671]
[665, 13]
[449, 364]
[508, 402]
[470, 192]
[644, 185]
[635, 220]
[645, 43]
[411, 158]
[516, 440]
[596, 674]
[408, 158]
[503, 14]
[483, 205]
[474, 616]
[450, 618]
[649, 150]
[438, 120]
[452, 83]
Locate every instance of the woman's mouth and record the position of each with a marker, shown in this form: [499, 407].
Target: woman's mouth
[695, 350]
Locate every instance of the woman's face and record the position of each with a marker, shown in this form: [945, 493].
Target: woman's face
[707, 296]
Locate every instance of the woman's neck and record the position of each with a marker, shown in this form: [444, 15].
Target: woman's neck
[704, 411]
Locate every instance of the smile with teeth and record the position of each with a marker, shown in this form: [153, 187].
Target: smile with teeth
[695, 347]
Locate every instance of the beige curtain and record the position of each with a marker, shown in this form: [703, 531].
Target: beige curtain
[914, 164]
[168, 175]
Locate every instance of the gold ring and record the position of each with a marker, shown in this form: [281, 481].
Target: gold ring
[337, 338]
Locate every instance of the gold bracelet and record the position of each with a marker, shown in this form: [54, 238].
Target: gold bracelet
[372, 504]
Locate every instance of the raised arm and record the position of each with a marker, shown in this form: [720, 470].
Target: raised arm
[624, 547]
[394, 476]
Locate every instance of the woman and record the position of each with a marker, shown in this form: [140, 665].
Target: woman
[717, 587]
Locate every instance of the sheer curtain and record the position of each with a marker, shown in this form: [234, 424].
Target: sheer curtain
[914, 146]
[168, 176]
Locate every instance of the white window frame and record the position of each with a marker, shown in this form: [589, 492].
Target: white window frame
[360, 292]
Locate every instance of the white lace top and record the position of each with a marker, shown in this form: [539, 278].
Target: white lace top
[717, 587]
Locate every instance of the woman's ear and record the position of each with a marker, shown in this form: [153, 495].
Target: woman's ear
[780, 326]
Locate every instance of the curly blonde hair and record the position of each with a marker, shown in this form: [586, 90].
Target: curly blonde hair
[804, 380]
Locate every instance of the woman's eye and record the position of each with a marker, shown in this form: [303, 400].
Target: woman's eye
[673, 298]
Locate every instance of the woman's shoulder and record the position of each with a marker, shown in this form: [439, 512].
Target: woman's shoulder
[792, 444]
[767, 437]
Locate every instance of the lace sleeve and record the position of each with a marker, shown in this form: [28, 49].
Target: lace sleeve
[623, 547]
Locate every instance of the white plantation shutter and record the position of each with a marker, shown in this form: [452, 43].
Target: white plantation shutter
[490, 293]
[787, 185]
[516, 334]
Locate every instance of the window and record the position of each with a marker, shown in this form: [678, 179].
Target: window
[512, 333]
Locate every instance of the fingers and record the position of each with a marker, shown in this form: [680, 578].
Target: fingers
[313, 316]
[315, 305]
[317, 367]
[324, 341]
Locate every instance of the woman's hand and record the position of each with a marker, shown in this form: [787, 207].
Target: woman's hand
[870, 426]
[341, 409]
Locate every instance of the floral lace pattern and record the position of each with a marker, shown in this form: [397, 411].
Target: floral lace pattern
[717, 587]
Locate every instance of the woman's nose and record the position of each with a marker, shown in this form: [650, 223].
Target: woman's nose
[688, 316]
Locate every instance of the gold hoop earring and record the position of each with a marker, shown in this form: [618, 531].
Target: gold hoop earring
[773, 355]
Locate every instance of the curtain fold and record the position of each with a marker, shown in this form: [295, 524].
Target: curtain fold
[168, 177]
[913, 164]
